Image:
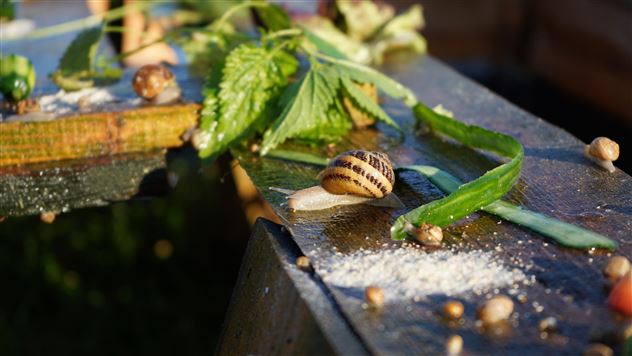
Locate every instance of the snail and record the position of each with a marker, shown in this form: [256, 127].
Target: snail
[603, 151]
[156, 84]
[353, 177]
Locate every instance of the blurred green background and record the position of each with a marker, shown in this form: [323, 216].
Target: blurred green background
[151, 276]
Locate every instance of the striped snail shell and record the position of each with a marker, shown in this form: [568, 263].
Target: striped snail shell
[362, 173]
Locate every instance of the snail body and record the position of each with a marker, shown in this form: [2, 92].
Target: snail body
[603, 151]
[353, 177]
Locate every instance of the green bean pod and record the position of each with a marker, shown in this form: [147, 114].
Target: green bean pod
[17, 77]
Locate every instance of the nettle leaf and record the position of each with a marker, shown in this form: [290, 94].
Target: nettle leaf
[335, 124]
[76, 67]
[366, 104]
[252, 77]
[306, 105]
[364, 74]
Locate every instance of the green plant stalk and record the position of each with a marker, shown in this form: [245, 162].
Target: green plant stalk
[562, 233]
[471, 196]
[81, 24]
[297, 157]
[233, 10]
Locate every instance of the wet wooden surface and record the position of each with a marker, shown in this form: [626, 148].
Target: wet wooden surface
[100, 178]
[71, 184]
[556, 180]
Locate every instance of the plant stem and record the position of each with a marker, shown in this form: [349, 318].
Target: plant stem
[120, 56]
[220, 22]
[79, 24]
[297, 157]
[282, 33]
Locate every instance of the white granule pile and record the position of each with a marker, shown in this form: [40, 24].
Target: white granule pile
[411, 273]
[118, 96]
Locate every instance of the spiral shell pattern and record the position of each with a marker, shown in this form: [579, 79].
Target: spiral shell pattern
[363, 173]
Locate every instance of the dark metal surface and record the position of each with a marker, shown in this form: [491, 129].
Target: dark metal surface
[556, 180]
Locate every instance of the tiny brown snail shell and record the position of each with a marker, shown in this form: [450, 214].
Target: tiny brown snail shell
[353, 177]
[156, 83]
[603, 151]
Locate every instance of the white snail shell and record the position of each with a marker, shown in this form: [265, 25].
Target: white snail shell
[362, 173]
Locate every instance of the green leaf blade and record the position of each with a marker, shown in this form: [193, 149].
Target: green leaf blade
[233, 107]
[562, 233]
[367, 105]
[364, 74]
[476, 194]
[306, 104]
[76, 66]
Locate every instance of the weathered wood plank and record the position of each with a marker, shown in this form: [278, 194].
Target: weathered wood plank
[96, 134]
[71, 184]
[556, 180]
[278, 309]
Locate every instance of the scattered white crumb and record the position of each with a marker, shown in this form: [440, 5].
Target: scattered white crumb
[118, 96]
[412, 273]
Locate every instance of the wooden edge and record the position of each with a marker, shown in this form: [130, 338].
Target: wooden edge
[278, 308]
[97, 134]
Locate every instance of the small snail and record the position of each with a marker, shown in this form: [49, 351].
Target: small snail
[363, 173]
[603, 151]
[156, 83]
[17, 77]
[353, 177]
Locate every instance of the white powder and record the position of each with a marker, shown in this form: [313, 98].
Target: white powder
[115, 97]
[410, 273]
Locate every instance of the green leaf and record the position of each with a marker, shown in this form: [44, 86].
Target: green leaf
[273, 16]
[562, 233]
[363, 74]
[306, 105]
[322, 44]
[206, 47]
[76, 67]
[476, 194]
[335, 124]
[251, 78]
[366, 104]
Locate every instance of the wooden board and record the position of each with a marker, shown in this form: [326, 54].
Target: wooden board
[71, 184]
[556, 180]
[278, 308]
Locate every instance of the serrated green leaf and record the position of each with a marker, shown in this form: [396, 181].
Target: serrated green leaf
[335, 124]
[363, 74]
[251, 79]
[364, 103]
[210, 108]
[307, 103]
